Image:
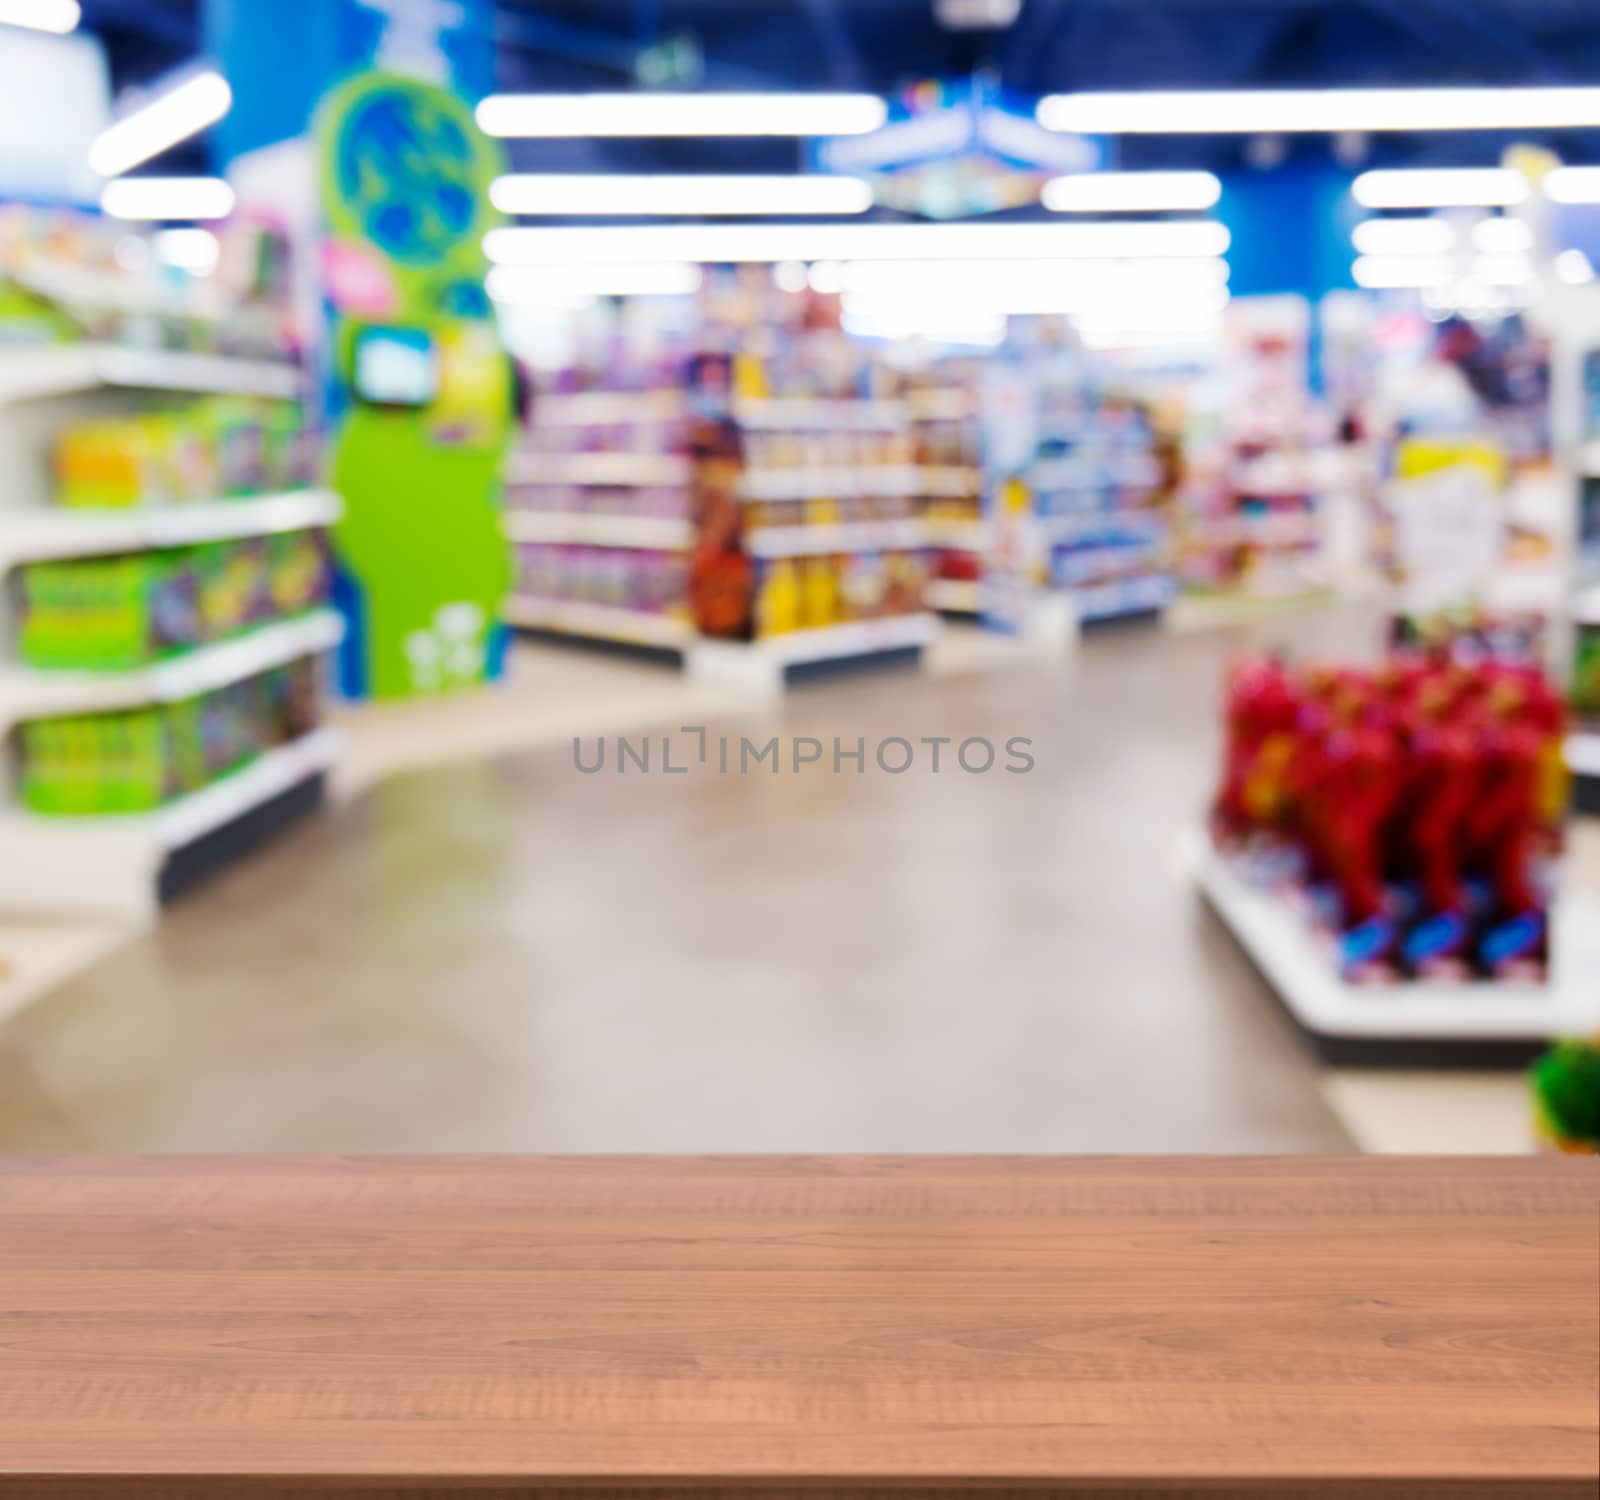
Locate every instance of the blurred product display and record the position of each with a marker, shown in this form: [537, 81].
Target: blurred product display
[169, 583]
[431, 387]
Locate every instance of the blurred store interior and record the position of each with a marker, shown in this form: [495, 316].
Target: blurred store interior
[813, 575]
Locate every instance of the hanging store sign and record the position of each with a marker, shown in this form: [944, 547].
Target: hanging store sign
[953, 150]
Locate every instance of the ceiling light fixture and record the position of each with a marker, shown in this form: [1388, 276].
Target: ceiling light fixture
[1403, 237]
[55, 16]
[570, 193]
[1573, 185]
[719, 244]
[535, 116]
[1381, 272]
[1130, 192]
[1278, 111]
[560, 284]
[155, 127]
[167, 198]
[1440, 187]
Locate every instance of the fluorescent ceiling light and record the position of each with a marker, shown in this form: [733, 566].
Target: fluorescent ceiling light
[1067, 283]
[569, 193]
[528, 116]
[58, 16]
[717, 244]
[1130, 192]
[982, 332]
[1503, 270]
[1128, 305]
[1502, 236]
[536, 284]
[1440, 187]
[1255, 111]
[160, 124]
[1573, 268]
[1403, 237]
[167, 198]
[192, 250]
[976, 15]
[1383, 271]
[1573, 185]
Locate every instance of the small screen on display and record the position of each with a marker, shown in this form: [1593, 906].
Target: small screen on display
[396, 367]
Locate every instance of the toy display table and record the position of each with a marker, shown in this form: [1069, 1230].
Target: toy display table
[434, 1326]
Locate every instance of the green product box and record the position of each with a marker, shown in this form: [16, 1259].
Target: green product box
[109, 614]
[1586, 671]
[96, 764]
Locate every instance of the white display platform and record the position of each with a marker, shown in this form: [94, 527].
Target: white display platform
[759, 666]
[1288, 956]
[110, 865]
[601, 622]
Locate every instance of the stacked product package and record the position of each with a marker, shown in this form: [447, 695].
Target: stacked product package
[138, 760]
[220, 448]
[1411, 812]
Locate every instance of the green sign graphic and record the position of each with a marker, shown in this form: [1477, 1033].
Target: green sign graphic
[421, 397]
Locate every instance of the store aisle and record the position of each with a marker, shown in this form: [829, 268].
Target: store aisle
[510, 955]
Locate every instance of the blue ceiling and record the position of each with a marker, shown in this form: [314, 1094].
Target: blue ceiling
[1055, 44]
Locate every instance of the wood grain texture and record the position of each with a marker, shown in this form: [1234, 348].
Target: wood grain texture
[1266, 1326]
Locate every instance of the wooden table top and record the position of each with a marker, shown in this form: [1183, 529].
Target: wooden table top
[1282, 1326]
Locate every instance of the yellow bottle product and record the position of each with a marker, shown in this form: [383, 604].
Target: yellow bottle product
[749, 378]
[778, 604]
[819, 593]
[821, 512]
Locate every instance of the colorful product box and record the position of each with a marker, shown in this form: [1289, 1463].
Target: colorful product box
[136, 761]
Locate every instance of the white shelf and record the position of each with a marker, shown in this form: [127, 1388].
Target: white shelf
[608, 408]
[1055, 474]
[820, 414]
[61, 369]
[946, 405]
[1288, 955]
[1123, 596]
[1583, 753]
[619, 470]
[1138, 527]
[831, 484]
[191, 818]
[850, 536]
[956, 596]
[960, 536]
[656, 533]
[1589, 459]
[76, 286]
[111, 864]
[757, 667]
[36, 694]
[1586, 606]
[38, 535]
[941, 480]
[599, 621]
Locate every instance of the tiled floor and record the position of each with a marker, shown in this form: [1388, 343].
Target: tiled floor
[504, 953]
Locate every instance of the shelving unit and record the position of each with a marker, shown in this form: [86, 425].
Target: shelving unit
[597, 507]
[946, 436]
[828, 490]
[124, 865]
[1408, 1021]
[599, 622]
[759, 666]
